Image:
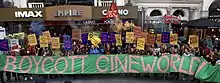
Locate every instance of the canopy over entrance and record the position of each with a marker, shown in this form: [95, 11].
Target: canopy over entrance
[203, 23]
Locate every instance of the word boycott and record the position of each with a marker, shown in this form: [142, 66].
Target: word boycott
[91, 64]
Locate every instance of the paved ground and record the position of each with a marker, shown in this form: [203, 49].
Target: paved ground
[110, 79]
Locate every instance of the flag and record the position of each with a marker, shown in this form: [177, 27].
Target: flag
[112, 12]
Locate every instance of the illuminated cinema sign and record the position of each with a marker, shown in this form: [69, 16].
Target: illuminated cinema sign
[27, 14]
[122, 12]
[68, 13]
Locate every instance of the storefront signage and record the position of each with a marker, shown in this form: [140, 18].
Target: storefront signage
[122, 12]
[26, 14]
[89, 22]
[68, 13]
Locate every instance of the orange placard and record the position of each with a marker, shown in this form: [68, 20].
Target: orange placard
[150, 39]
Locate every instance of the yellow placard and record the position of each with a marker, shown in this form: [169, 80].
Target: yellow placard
[159, 36]
[118, 40]
[43, 41]
[32, 40]
[55, 42]
[47, 34]
[140, 43]
[173, 39]
[94, 39]
[130, 37]
[194, 41]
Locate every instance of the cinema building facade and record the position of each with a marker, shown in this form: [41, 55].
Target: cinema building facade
[64, 16]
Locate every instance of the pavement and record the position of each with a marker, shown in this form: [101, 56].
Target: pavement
[110, 79]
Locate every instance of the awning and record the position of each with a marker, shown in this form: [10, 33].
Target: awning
[202, 23]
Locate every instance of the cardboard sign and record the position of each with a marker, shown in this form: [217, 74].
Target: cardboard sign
[47, 35]
[173, 39]
[118, 40]
[55, 41]
[150, 39]
[140, 43]
[43, 41]
[194, 41]
[32, 40]
[129, 37]
[76, 34]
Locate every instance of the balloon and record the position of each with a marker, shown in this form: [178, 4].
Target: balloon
[37, 27]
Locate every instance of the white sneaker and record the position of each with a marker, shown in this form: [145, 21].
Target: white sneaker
[25, 78]
[31, 78]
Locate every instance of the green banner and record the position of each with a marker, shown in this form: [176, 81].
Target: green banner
[94, 64]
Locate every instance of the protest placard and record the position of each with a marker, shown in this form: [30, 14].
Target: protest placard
[173, 39]
[140, 43]
[43, 41]
[55, 42]
[32, 40]
[118, 40]
[194, 41]
[129, 37]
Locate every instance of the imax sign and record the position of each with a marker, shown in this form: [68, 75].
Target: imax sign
[28, 14]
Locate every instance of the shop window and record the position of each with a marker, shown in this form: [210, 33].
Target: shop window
[156, 13]
[179, 13]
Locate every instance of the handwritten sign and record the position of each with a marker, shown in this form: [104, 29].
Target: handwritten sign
[47, 35]
[129, 37]
[140, 43]
[55, 42]
[32, 40]
[194, 41]
[118, 39]
[43, 41]
[76, 34]
[173, 39]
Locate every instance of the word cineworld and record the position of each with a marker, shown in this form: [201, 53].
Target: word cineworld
[89, 64]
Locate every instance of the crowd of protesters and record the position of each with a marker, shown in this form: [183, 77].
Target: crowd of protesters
[183, 49]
